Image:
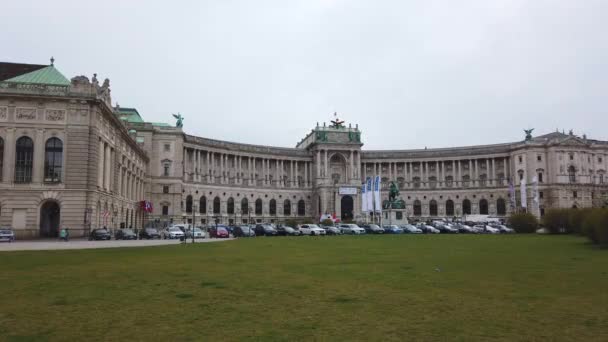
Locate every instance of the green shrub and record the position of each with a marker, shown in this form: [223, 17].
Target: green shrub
[556, 220]
[595, 226]
[576, 218]
[523, 222]
[291, 223]
[327, 222]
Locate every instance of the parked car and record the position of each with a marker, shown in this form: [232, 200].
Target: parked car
[373, 229]
[426, 229]
[491, 230]
[392, 229]
[463, 228]
[7, 234]
[331, 230]
[100, 234]
[446, 229]
[125, 234]
[265, 230]
[220, 232]
[411, 229]
[198, 233]
[311, 229]
[287, 231]
[244, 231]
[173, 232]
[353, 229]
[502, 228]
[150, 233]
[182, 227]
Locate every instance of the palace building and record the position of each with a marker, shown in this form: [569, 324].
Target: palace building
[69, 157]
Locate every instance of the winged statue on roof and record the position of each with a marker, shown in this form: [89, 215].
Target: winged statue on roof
[180, 120]
[337, 123]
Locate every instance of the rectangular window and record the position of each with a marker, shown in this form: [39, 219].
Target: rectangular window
[167, 147]
[165, 189]
[166, 170]
[520, 159]
[540, 194]
[601, 178]
[540, 177]
[399, 215]
[571, 156]
[574, 194]
[539, 158]
[165, 210]
[599, 159]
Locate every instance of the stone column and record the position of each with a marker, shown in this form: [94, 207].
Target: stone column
[9, 156]
[106, 181]
[318, 163]
[119, 190]
[504, 166]
[101, 164]
[326, 164]
[306, 174]
[443, 173]
[38, 157]
[352, 165]
[459, 172]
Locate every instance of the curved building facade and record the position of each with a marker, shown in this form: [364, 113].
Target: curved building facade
[68, 157]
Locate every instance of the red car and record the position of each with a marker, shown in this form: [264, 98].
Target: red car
[219, 232]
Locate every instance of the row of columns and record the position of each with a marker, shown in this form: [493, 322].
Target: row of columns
[224, 168]
[439, 172]
[322, 163]
[130, 182]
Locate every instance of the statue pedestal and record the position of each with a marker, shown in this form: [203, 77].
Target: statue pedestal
[394, 216]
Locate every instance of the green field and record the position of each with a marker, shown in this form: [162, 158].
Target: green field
[445, 287]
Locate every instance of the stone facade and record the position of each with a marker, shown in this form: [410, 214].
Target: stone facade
[109, 163]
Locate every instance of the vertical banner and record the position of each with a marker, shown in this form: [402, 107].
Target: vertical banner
[512, 195]
[363, 199]
[524, 200]
[535, 192]
[377, 201]
[368, 194]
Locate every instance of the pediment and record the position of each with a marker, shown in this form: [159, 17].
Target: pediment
[573, 141]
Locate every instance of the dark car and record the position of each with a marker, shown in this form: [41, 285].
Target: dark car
[372, 229]
[100, 234]
[219, 232]
[244, 231]
[125, 234]
[287, 231]
[150, 233]
[265, 230]
[7, 234]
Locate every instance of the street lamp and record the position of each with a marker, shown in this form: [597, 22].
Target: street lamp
[193, 220]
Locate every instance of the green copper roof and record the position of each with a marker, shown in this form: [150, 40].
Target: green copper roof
[130, 114]
[48, 75]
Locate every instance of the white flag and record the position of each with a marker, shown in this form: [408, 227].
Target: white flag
[369, 194]
[535, 190]
[524, 201]
[363, 199]
[377, 202]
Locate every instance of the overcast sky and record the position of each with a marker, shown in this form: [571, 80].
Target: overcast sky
[410, 73]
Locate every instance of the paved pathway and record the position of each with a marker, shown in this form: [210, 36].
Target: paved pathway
[35, 245]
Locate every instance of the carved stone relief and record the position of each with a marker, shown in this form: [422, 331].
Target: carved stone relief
[55, 115]
[3, 113]
[24, 114]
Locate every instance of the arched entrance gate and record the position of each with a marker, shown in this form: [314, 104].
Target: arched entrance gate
[346, 205]
[50, 214]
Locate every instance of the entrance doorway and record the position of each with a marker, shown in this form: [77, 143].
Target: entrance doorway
[347, 208]
[49, 219]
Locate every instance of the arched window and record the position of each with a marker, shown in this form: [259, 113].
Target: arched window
[449, 208]
[287, 208]
[449, 181]
[216, 205]
[258, 206]
[230, 206]
[202, 205]
[189, 204]
[417, 208]
[483, 206]
[1, 157]
[572, 174]
[501, 207]
[466, 207]
[23, 160]
[244, 206]
[433, 208]
[301, 208]
[53, 160]
[272, 207]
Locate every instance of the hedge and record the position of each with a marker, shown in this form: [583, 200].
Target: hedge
[523, 222]
[595, 226]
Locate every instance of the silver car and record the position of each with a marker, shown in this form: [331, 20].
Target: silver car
[7, 234]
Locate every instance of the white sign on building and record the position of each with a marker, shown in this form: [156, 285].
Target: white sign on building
[347, 191]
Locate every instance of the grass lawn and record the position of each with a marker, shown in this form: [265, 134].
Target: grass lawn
[439, 287]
